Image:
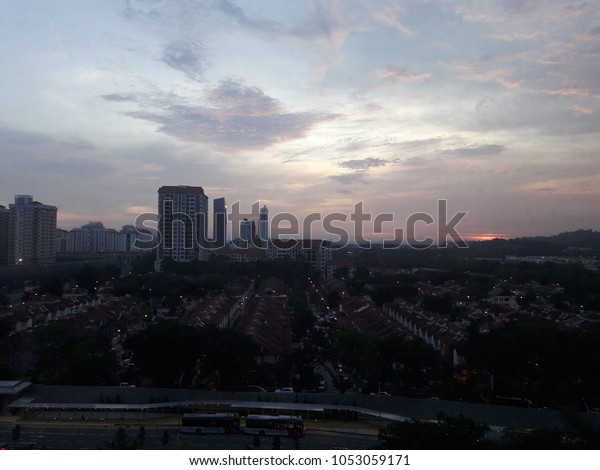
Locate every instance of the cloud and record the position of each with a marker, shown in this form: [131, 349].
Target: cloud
[139, 209]
[576, 186]
[347, 192]
[230, 116]
[238, 14]
[402, 74]
[567, 92]
[348, 178]
[593, 35]
[231, 97]
[476, 150]
[25, 138]
[187, 57]
[391, 15]
[117, 97]
[580, 110]
[413, 161]
[475, 71]
[420, 144]
[34, 153]
[363, 164]
[325, 27]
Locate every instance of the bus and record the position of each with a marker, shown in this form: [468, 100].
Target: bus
[214, 423]
[282, 425]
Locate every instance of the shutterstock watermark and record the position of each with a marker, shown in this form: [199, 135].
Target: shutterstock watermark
[174, 229]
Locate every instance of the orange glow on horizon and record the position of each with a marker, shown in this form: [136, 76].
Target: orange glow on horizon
[484, 237]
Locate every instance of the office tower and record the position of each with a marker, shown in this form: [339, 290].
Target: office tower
[263, 224]
[4, 219]
[32, 231]
[183, 213]
[220, 222]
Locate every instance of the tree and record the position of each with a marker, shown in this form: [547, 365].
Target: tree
[141, 438]
[122, 441]
[4, 300]
[446, 433]
[67, 355]
[144, 264]
[16, 432]
[200, 354]
[53, 286]
[111, 271]
[164, 350]
[302, 317]
[526, 362]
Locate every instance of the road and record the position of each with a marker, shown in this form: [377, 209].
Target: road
[72, 437]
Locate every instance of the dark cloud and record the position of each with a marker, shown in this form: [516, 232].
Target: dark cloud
[363, 164]
[187, 57]
[231, 115]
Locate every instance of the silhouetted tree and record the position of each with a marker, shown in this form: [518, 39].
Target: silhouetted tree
[69, 355]
[447, 433]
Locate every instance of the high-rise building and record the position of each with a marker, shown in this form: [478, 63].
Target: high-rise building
[128, 238]
[263, 224]
[62, 239]
[247, 230]
[32, 232]
[183, 213]
[220, 222]
[316, 253]
[95, 238]
[4, 220]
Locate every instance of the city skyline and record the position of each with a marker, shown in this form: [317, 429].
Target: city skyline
[307, 107]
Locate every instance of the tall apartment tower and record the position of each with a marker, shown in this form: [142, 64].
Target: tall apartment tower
[32, 232]
[4, 220]
[263, 224]
[220, 222]
[183, 214]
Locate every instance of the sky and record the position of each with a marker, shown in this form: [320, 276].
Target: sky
[309, 107]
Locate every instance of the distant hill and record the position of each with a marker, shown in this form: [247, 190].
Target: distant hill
[579, 238]
[554, 245]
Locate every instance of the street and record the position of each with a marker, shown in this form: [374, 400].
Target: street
[72, 437]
